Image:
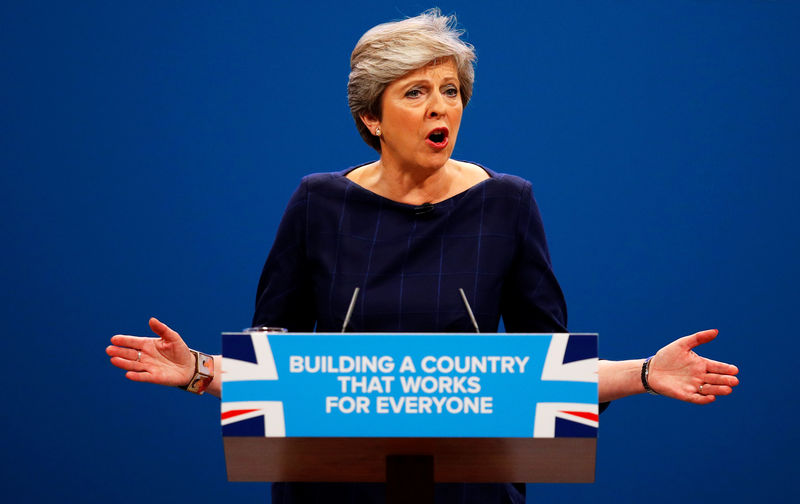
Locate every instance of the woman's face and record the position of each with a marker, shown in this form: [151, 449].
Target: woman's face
[421, 113]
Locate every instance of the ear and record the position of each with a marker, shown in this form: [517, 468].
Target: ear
[370, 121]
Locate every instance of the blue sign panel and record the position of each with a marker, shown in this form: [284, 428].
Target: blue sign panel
[409, 385]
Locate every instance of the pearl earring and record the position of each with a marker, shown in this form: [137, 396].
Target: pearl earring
[378, 131]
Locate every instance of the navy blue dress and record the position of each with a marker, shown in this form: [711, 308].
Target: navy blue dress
[409, 263]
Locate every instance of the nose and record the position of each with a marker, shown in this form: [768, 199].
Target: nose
[436, 105]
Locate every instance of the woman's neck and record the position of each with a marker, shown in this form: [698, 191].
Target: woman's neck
[419, 185]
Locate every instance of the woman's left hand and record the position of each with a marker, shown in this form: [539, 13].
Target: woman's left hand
[677, 372]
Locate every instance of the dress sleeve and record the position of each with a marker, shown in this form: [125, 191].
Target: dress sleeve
[532, 300]
[284, 297]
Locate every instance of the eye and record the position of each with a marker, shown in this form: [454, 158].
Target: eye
[451, 92]
[414, 93]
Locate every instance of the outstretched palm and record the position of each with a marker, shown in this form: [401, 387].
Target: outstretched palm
[165, 360]
[677, 371]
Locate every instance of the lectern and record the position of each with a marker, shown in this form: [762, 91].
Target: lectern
[409, 409]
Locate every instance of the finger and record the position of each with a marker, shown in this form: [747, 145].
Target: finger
[143, 376]
[127, 364]
[163, 330]
[715, 390]
[721, 379]
[700, 399]
[698, 338]
[124, 353]
[721, 367]
[123, 340]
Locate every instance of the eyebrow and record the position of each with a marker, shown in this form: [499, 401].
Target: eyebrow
[448, 80]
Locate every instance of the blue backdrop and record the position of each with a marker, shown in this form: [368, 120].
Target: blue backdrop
[148, 150]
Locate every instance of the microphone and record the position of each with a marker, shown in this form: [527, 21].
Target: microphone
[424, 208]
[350, 309]
[469, 310]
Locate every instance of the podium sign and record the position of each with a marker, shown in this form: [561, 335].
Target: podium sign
[331, 407]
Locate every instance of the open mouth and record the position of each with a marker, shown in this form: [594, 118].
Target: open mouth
[438, 138]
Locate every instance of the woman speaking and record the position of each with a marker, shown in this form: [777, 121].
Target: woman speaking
[407, 234]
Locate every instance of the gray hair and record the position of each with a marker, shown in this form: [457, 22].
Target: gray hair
[391, 50]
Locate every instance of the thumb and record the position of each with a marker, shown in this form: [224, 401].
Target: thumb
[163, 330]
[698, 338]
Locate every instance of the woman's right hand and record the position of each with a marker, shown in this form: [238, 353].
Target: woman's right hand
[165, 360]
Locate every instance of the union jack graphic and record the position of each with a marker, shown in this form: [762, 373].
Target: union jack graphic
[248, 359]
[569, 358]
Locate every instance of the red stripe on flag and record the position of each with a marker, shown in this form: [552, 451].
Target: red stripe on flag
[233, 413]
[584, 414]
